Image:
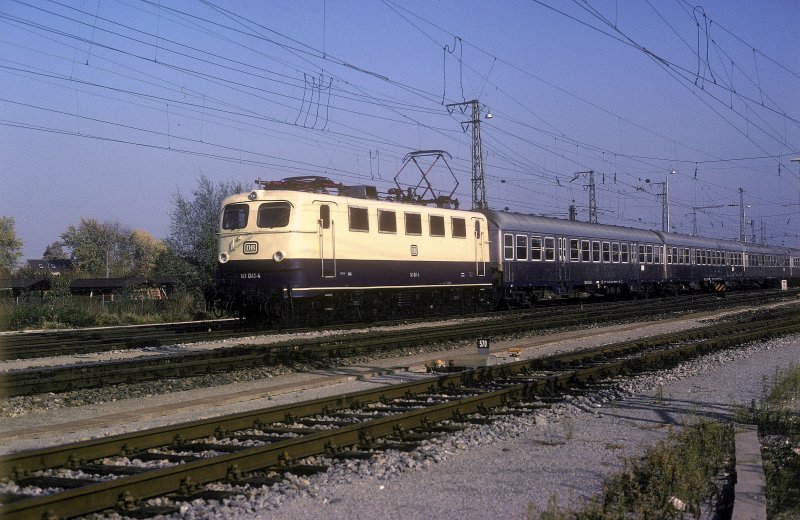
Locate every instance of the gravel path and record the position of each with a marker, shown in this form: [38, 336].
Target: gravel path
[515, 466]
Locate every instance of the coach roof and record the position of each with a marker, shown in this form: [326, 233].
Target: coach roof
[513, 222]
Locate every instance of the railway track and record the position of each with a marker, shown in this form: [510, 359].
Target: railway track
[193, 363]
[256, 448]
[84, 341]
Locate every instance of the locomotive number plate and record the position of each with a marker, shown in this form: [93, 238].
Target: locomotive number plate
[250, 248]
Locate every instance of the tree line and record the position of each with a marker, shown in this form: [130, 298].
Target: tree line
[112, 249]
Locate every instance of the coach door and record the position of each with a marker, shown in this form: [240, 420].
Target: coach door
[480, 261]
[327, 242]
[563, 266]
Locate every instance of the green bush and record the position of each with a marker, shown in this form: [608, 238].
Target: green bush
[683, 466]
[26, 315]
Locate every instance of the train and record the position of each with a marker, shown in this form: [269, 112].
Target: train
[308, 248]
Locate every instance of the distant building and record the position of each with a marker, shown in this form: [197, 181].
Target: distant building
[16, 287]
[54, 267]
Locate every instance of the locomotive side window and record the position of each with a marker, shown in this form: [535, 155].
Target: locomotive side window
[387, 221]
[235, 216]
[536, 248]
[413, 224]
[595, 251]
[574, 252]
[522, 247]
[624, 256]
[325, 216]
[508, 246]
[606, 252]
[459, 227]
[549, 249]
[477, 230]
[359, 219]
[615, 252]
[437, 225]
[273, 215]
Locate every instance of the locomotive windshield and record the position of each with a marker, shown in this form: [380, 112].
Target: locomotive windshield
[235, 216]
[274, 214]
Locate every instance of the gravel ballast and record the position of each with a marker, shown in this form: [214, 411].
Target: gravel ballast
[514, 466]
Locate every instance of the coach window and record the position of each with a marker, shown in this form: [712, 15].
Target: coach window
[359, 219]
[413, 224]
[387, 221]
[657, 255]
[522, 247]
[549, 249]
[624, 255]
[508, 246]
[436, 225]
[641, 253]
[586, 253]
[536, 248]
[606, 252]
[615, 252]
[235, 216]
[574, 250]
[649, 253]
[459, 226]
[686, 256]
[595, 251]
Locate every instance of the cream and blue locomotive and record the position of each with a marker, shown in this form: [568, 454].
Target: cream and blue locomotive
[308, 246]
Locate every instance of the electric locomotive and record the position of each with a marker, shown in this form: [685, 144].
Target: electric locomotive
[307, 246]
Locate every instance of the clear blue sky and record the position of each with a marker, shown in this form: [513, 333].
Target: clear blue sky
[108, 108]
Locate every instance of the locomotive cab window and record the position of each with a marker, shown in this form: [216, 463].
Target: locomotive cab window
[459, 226]
[413, 224]
[273, 215]
[235, 216]
[359, 219]
[436, 225]
[387, 221]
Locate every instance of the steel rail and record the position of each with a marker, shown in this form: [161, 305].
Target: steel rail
[98, 374]
[26, 345]
[103, 495]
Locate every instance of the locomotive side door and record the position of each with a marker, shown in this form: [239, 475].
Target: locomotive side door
[327, 241]
[480, 261]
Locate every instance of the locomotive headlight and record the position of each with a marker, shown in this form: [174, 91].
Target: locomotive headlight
[278, 256]
[253, 195]
[223, 258]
